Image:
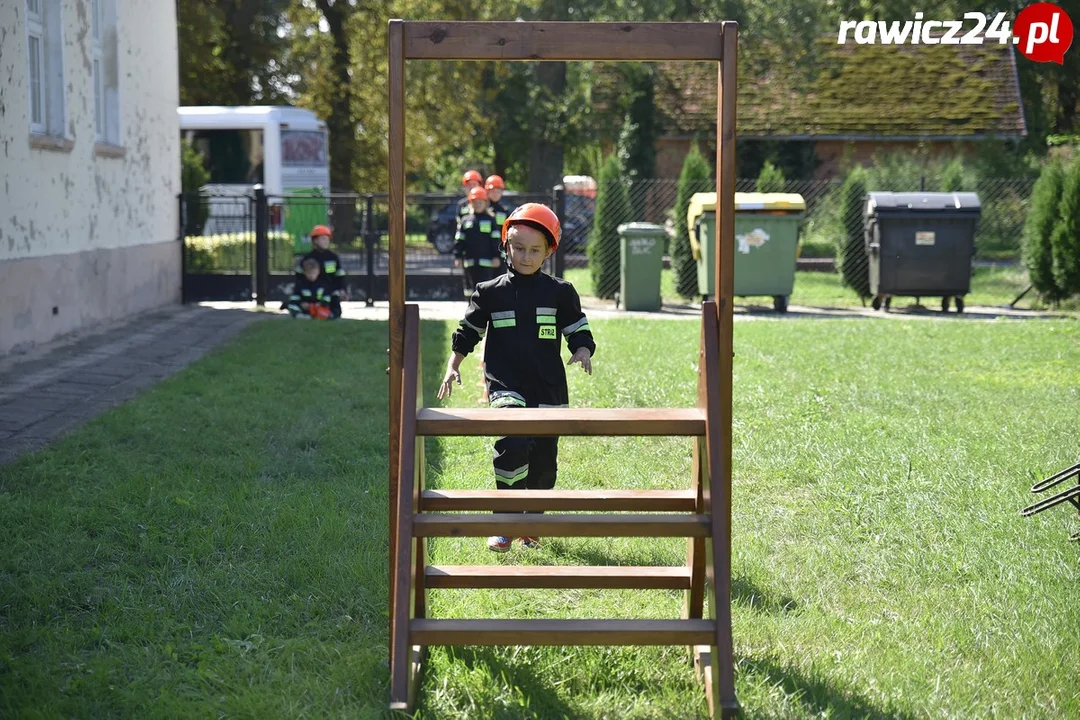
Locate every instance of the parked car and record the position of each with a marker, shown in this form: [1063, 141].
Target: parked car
[576, 223]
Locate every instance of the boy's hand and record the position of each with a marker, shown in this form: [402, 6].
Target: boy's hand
[584, 357]
[452, 374]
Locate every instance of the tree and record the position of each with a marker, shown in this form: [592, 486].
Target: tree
[853, 260]
[771, 179]
[693, 178]
[612, 210]
[230, 52]
[1065, 239]
[1041, 219]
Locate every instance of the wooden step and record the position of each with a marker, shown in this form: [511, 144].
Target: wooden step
[562, 632]
[557, 576]
[610, 422]
[564, 500]
[536, 525]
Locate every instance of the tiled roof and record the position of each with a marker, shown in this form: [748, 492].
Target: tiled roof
[855, 91]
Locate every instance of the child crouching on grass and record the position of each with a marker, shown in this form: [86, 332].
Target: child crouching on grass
[523, 312]
[311, 297]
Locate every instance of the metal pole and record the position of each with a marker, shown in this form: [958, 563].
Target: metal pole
[369, 242]
[262, 246]
[560, 211]
[182, 230]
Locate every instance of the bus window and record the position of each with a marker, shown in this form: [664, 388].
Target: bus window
[303, 147]
[232, 157]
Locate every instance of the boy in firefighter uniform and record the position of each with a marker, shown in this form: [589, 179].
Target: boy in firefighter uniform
[311, 297]
[471, 179]
[329, 264]
[521, 315]
[477, 241]
[495, 187]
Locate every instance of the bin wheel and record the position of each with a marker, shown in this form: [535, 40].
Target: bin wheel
[876, 302]
[959, 304]
[888, 302]
[945, 304]
[779, 303]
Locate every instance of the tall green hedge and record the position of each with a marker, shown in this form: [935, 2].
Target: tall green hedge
[1038, 229]
[612, 210]
[854, 266]
[771, 179]
[1065, 239]
[693, 178]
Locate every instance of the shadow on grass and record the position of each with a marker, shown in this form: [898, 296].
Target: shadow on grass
[593, 555]
[819, 696]
[746, 592]
[543, 701]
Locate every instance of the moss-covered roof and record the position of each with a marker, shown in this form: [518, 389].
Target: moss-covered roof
[855, 91]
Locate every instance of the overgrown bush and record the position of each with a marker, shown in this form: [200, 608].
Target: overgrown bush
[694, 178]
[852, 252]
[234, 252]
[193, 176]
[612, 210]
[1040, 225]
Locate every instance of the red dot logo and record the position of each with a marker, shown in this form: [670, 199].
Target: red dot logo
[1043, 32]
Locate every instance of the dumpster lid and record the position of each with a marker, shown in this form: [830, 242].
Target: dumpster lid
[774, 202]
[641, 228]
[922, 202]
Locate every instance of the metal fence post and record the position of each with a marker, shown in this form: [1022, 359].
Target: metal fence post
[560, 212]
[182, 232]
[262, 246]
[370, 237]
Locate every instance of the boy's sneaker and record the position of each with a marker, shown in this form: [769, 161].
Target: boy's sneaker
[499, 544]
[531, 543]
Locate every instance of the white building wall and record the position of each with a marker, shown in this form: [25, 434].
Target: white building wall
[87, 230]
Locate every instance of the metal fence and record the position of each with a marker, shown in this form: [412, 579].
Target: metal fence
[221, 234]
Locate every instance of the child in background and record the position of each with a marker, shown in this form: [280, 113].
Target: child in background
[310, 297]
[477, 241]
[471, 179]
[329, 264]
[521, 315]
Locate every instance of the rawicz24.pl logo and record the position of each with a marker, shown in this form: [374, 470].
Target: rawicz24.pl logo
[1042, 32]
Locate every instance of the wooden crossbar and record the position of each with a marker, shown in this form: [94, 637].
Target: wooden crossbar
[527, 422]
[563, 41]
[559, 500]
[558, 577]
[528, 525]
[561, 632]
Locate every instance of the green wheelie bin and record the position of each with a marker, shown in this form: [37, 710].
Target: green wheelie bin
[766, 243]
[641, 253]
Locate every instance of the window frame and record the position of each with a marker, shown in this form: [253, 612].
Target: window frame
[35, 31]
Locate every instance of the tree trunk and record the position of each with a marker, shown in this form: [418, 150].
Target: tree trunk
[546, 154]
[340, 124]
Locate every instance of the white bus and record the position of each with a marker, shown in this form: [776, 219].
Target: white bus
[285, 149]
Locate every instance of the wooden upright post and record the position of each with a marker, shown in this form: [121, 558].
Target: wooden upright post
[724, 676]
[396, 279]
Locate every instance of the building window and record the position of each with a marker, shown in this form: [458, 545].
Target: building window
[105, 72]
[45, 47]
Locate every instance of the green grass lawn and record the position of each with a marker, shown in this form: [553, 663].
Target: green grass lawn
[990, 286]
[218, 546]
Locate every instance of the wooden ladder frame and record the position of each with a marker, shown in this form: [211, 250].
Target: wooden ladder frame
[416, 514]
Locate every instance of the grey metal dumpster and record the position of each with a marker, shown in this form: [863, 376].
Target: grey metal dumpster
[920, 245]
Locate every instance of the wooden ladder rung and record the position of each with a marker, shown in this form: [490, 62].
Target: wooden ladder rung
[563, 500]
[561, 421]
[557, 576]
[562, 632]
[533, 524]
